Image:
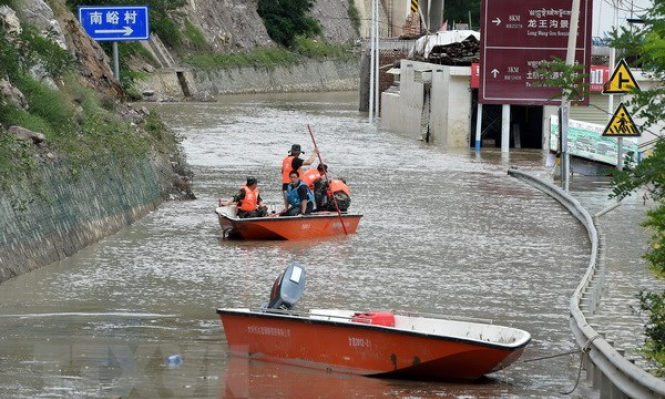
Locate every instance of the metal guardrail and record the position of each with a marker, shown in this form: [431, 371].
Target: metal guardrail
[614, 375]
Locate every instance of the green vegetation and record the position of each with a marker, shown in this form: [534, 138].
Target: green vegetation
[303, 48]
[197, 41]
[354, 16]
[568, 79]
[646, 47]
[285, 20]
[82, 128]
[458, 11]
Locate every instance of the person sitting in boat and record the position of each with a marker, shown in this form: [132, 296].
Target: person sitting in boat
[342, 193]
[311, 176]
[299, 196]
[294, 162]
[248, 201]
[314, 178]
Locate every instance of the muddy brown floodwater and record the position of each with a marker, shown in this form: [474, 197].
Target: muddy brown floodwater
[446, 232]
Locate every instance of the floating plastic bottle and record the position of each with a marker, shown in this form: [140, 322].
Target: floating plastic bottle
[174, 361]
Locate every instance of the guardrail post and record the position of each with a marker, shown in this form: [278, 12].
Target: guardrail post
[597, 378]
[606, 387]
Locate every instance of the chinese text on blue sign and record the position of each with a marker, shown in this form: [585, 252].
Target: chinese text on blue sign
[115, 23]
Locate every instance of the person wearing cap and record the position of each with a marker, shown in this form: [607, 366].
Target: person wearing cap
[300, 198]
[248, 201]
[294, 162]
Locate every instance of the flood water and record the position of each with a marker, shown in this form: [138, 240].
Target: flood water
[443, 232]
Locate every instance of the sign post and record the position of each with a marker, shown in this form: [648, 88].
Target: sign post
[122, 23]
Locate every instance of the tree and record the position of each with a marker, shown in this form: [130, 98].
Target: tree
[459, 10]
[286, 19]
[646, 46]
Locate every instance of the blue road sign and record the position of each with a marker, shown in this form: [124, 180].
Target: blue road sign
[115, 23]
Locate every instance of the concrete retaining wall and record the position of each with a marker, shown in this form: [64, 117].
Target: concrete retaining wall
[76, 211]
[314, 76]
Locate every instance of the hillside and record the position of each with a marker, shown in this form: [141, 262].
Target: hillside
[229, 25]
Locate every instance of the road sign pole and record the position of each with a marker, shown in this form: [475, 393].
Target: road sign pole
[479, 123]
[570, 61]
[563, 133]
[371, 65]
[505, 128]
[116, 61]
[620, 145]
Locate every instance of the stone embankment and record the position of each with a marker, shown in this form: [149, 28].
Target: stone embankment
[172, 84]
[73, 212]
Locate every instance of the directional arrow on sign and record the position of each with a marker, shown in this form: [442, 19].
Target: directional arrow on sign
[497, 21]
[126, 31]
[495, 72]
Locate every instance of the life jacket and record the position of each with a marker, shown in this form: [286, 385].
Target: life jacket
[293, 197]
[338, 185]
[310, 176]
[248, 204]
[287, 167]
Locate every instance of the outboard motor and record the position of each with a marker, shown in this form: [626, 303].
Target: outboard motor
[288, 288]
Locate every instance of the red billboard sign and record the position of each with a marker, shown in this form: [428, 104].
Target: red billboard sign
[598, 75]
[519, 37]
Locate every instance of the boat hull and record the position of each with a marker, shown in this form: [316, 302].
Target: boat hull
[363, 349]
[289, 227]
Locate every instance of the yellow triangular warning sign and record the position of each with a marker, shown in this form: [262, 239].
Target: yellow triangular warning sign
[622, 124]
[622, 80]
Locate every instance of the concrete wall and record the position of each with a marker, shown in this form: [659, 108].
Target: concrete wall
[74, 212]
[401, 112]
[450, 122]
[312, 76]
[450, 116]
[169, 84]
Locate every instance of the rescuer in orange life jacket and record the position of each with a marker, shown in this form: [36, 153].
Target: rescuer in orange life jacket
[319, 182]
[314, 180]
[342, 194]
[293, 163]
[248, 201]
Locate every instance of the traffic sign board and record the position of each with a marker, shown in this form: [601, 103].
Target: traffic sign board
[621, 81]
[122, 23]
[521, 36]
[622, 124]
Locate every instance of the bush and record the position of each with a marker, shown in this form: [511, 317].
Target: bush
[286, 19]
[195, 37]
[48, 104]
[354, 16]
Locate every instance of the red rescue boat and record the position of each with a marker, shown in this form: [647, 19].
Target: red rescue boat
[389, 344]
[274, 227]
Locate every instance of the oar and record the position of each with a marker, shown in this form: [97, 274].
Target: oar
[311, 133]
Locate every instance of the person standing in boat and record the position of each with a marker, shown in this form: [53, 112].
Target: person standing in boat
[293, 162]
[248, 201]
[300, 198]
